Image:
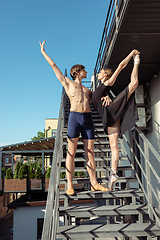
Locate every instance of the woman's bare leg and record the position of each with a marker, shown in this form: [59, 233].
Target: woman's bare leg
[134, 75]
[113, 134]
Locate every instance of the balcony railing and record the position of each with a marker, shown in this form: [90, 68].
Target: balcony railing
[141, 153]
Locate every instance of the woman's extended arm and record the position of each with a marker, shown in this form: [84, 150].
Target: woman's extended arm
[122, 65]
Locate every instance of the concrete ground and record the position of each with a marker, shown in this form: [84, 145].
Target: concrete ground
[6, 224]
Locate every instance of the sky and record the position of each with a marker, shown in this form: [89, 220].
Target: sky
[29, 90]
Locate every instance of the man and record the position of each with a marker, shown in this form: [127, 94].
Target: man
[80, 121]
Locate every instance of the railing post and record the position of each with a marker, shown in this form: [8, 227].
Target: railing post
[131, 152]
[12, 162]
[94, 81]
[43, 176]
[148, 179]
[116, 13]
[0, 170]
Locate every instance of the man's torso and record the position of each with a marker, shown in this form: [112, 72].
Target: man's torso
[79, 96]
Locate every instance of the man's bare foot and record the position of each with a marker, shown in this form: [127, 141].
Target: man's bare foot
[98, 187]
[70, 191]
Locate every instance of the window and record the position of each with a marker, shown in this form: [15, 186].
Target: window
[54, 132]
[7, 160]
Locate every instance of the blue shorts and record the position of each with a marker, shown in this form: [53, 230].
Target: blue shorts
[80, 123]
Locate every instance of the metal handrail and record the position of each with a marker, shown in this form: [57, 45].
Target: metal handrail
[51, 219]
[145, 172]
[116, 11]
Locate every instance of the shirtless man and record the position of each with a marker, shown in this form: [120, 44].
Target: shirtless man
[80, 120]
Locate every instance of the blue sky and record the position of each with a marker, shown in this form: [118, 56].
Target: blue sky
[30, 91]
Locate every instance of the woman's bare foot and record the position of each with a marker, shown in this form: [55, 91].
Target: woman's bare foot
[136, 59]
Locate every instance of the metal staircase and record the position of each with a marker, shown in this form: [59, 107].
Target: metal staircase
[120, 214]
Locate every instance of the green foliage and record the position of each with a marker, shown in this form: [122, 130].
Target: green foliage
[34, 170]
[32, 167]
[23, 171]
[18, 165]
[39, 164]
[38, 173]
[62, 175]
[40, 135]
[48, 172]
[9, 173]
[79, 174]
[3, 172]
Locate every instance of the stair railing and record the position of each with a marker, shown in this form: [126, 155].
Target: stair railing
[51, 220]
[116, 11]
[140, 152]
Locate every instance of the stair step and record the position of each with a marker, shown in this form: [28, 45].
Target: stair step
[82, 169]
[105, 195]
[97, 135]
[101, 159]
[107, 230]
[97, 142]
[96, 115]
[96, 150]
[102, 180]
[116, 210]
[98, 124]
[97, 129]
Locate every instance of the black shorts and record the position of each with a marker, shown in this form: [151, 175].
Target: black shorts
[80, 123]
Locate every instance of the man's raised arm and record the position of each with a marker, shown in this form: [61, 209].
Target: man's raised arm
[57, 71]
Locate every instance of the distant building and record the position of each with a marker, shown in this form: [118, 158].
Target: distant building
[51, 127]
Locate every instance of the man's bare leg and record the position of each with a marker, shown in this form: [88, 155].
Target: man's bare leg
[91, 168]
[70, 165]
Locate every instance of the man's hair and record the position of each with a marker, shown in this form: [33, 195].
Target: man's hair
[109, 72]
[76, 69]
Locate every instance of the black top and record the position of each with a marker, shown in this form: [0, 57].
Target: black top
[118, 108]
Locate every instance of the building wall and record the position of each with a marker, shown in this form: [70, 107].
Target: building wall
[154, 136]
[25, 222]
[51, 127]
[154, 91]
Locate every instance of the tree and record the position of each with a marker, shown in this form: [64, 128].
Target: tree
[40, 135]
[3, 172]
[18, 165]
[48, 172]
[23, 171]
[9, 173]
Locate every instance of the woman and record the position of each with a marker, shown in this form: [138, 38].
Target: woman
[120, 114]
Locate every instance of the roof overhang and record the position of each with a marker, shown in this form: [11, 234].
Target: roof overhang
[30, 147]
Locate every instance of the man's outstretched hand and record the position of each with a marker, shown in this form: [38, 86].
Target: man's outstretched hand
[42, 46]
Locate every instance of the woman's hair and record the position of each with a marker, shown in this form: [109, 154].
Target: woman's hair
[76, 69]
[109, 72]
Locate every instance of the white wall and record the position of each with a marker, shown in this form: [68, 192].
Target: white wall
[154, 88]
[154, 137]
[25, 222]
